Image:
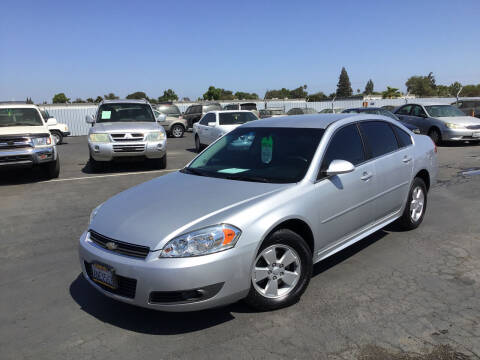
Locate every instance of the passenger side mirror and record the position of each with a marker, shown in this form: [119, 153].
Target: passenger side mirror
[161, 118]
[337, 167]
[89, 119]
[212, 124]
[51, 121]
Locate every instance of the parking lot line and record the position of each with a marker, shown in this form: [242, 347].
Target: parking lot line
[110, 175]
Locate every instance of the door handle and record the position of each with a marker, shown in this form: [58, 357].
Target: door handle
[406, 159]
[366, 175]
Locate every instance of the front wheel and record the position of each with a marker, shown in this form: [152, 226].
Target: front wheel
[57, 137]
[416, 205]
[281, 271]
[435, 136]
[160, 163]
[177, 131]
[51, 170]
[198, 145]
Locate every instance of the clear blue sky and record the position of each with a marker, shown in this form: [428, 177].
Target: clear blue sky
[90, 48]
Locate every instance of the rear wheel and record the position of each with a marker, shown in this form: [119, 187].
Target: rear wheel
[435, 136]
[198, 146]
[281, 271]
[177, 131]
[51, 170]
[57, 137]
[416, 205]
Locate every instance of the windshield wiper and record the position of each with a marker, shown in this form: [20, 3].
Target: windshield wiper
[189, 170]
[248, 178]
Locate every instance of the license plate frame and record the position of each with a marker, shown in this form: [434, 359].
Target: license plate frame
[105, 275]
[476, 134]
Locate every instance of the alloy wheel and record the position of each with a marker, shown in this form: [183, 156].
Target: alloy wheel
[417, 204]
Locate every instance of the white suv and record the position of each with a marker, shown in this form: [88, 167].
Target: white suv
[25, 140]
[58, 130]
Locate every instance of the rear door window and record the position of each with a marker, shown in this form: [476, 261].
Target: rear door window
[404, 139]
[404, 110]
[379, 137]
[207, 118]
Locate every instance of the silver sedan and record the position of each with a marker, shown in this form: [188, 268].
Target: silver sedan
[250, 215]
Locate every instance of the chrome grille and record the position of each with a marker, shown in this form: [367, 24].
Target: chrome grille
[15, 142]
[121, 247]
[473, 127]
[18, 159]
[127, 137]
[128, 148]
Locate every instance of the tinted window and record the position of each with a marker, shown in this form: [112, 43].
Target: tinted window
[211, 107]
[417, 111]
[404, 139]
[248, 106]
[404, 110]
[236, 118]
[379, 137]
[125, 112]
[168, 109]
[346, 144]
[20, 117]
[231, 107]
[207, 118]
[443, 111]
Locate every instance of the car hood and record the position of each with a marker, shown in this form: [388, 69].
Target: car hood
[23, 130]
[464, 120]
[125, 126]
[152, 213]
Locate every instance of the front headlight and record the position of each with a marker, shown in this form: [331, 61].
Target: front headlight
[100, 138]
[42, 141]
[156, 136]
[454, 126]
[94, 213]
[201, 242]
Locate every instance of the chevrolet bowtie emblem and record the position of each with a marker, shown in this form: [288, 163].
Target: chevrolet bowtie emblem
[111, 245]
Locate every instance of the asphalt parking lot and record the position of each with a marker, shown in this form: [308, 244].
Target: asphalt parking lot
[405, 291]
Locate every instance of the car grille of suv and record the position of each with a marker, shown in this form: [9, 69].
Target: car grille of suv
[15, 159]
[127, 137]
[125, 286]
[128, 148]
[119, 247]
[473, 127]
[11, 142]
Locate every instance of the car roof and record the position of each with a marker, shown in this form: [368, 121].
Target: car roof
[18, 105]
[312, 121]
[228, 111]
[427, 104]
[132, 101]
[365, 108]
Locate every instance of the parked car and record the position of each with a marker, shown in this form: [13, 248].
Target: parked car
[271, 112]
[390, 108]
[25, 140]
[301, 111]
[195, 112]
[469, 107]
[174, 126]
[243, 106]
[59, 130]
[382, 111]
[440, 122]
[249, 216]
[330, 111]
[126, 128]
[169, 109]
[215, 124]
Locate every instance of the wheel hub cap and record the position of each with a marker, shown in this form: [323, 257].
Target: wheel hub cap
[417, 204]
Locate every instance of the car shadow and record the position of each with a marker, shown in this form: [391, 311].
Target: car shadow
[119, 167]
[143, 320]
[21, 176]
[192, 150]
[457, 144]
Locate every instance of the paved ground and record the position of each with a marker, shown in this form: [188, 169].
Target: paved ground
[402, 291]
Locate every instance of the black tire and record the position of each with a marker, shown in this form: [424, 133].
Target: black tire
[177, 131]
[160, 163]
[58, 135]
[51, 170]
[406, 222]
[291, 239]
[435, 136]
[96, 165]
[198, 145]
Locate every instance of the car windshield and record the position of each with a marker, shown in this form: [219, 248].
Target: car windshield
[443, 111]
[168, 110]
[236, 118]
[276, 155]
[127, 112]
[248, 106]
[20, 117]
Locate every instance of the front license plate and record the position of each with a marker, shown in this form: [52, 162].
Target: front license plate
[104, 275]
[476, 134]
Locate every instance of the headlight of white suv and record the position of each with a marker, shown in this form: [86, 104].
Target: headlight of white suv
[42, 141]
[201, 242]
[454, 126]
[99, 138]
[156, 136]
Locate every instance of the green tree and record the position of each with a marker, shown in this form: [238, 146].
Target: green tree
[110, 96]
[443, 91]
[369, 88]
[90, 100]
[60, 98]
[168, 95]
[318, 96]
[283, 93]
[454, 88]
[214, 93]
[421, 85]
[344, 87]
[245, 96]
[138, 95]
[391, 93]
[79, 101]
[298, 93]
[471, 90]
[98, 99]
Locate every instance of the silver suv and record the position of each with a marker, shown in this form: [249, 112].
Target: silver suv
[126, 128]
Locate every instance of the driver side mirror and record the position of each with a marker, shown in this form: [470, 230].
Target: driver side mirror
[212, 124]
[89, 119]
[337, 167]
[161, 118]
[51, 121]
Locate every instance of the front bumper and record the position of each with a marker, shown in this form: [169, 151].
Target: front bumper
[223, 277]
[460, 135]
[109, 151]
[28, 156]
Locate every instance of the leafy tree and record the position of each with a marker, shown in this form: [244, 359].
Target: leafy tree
[391, 93]
[110, 96]
[138, 95]
[319, 96]
[60, 98]
[245, 95]
[283, 93]
[79, 101]
[90, 100]
[421, 85]
[344, 87]
[186, 99]
[471, 90]
[299, 93]
[98, 99]
[454, 88]
[168, 95]
[214, 93]
[443, 91]
[29, 100]
[369, 88]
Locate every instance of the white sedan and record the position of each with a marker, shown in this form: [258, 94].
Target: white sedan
[215, 124]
